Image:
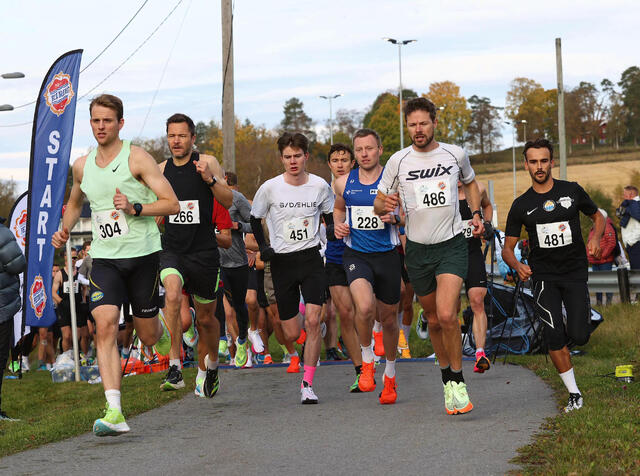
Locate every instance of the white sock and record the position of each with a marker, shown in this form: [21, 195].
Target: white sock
[367, 354]
[201, 374]
[390, 368]
[210, 364]
[400, 318]
[294, 354]
[569, 381]
[407, 331]
[377, 327]
[113, 398]
[175, 362]
[479, 350]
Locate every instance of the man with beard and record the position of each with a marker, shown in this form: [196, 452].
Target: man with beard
[550, 211]
[425, 176]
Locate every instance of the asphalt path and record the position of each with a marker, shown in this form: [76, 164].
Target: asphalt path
[256, 425]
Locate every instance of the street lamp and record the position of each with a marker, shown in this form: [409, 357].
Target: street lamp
[331, 98]
[6, 107]
[400, 43]
[16, 75]
[513, 150]
[524, 121]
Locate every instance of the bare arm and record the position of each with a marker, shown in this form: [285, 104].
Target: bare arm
[209, 167]
[74, 206]
[384, 204]
[472, 194]
[485, 203]
[509, 257]
[340, 227]
[593, 245]
[55, 287]
[250, 242]
[224, 238]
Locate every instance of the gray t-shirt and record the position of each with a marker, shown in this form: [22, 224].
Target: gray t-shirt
[240, 212]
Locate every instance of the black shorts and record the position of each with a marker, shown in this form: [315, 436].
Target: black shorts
[199, 271]
[252, 282]
[476, 270]
[549, 296]
[263, 302]
[113, 280]
[382, 270]
[293, 273]
[403, 270]
[64, 314]
[335, 275]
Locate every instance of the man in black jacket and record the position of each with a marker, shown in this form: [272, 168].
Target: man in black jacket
[12, 263]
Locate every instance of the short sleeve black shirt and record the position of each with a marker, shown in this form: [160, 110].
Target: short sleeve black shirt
[552, 220]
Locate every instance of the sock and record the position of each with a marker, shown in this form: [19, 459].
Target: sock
[202, 374]
[479, 351]
[400, 318]
[125, 352]
[377, 327]
[210, 364]
[367, 354]
[407, 331]
[175, 362]
[358, 369]
[456, 376]
[570, 381]
[113, 398]
[294, 354]
[309, 372]
[390, 368]
[240, 341]
[446, 374]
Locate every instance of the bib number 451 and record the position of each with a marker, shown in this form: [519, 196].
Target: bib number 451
[299, 235]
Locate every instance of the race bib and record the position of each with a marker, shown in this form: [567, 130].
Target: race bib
[189, 213]
[110, 224]
[297, 230]
[66, 288]
[363, 218]
[554, 235]
[432, 194]
[467, 228]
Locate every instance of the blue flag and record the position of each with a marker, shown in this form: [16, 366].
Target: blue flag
[50, 150]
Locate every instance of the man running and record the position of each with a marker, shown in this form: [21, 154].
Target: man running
[550, 211]
[126, 190]
[189, 255]
[292, 204]
[370, 259]
[341, 162]
[476, 281]
[425, 176]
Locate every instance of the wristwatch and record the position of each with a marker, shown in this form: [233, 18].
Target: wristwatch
[479, 213]
[212, 183]
[397, 218]
[137, 208]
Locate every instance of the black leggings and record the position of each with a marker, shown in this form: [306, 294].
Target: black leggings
[549, 297]
[235, 282]
[6, 328]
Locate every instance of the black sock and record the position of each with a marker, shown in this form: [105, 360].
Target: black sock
[446, 374]
[358, 369]
[456, 376]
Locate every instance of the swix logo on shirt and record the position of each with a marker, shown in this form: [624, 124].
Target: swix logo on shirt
[298, 204]
[428, 173]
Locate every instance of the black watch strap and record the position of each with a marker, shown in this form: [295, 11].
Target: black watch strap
[212, 183]
[137, 207]
[478, 212]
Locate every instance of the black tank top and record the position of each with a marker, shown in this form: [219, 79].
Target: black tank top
[466, 215]
[65, 293]
[181, 235]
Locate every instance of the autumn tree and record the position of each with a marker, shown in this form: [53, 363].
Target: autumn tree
[454, 119]
[529, 101]
[615, 112]
[630, 88]
[295, 119]
[591, 110]
[484, 131]
[385, 121]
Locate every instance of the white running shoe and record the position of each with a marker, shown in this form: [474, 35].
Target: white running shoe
[575, 402]
[25, 363]
[286, 358]
[308, 396]
[256, 341]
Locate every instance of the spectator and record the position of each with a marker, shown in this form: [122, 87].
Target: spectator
[607, 245]
[629, 214]
[12, 263]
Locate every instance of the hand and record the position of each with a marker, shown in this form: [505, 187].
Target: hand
[267, 253]
[524, 271]
[388, 218]
[202, 167]
[251, 258]
[593, 247]
[620, 211]
[391, 202]
[341, 230]
[60, 237]
[121, 202]
[488, 231]
[478, 226]
[234, 225]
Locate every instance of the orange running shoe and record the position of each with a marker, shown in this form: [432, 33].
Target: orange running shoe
[367, 382]
[294, 365]
[378, 346]
[303, 337]
[389, 394]
[268, 360]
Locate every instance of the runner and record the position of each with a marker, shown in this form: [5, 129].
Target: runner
[292, 204]
[60, 292]
[126, 190]
[476, 282]
[189, 255]
[341, 162]
[425, 175]
[370, 259]
[558, 264]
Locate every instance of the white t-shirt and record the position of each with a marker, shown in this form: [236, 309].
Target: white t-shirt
[293, 212]
[428, 186]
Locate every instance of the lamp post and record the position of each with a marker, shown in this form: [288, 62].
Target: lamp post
[513, 150]
[331, 98]
[400, 43]
[524, 133]
[16, 75]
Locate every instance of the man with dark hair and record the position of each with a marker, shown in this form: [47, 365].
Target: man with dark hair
[629, 214]
[293, 204]
[425, 174]
[550, 212]
[190, 256]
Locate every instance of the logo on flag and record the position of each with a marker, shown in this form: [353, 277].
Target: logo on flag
[58, 93]
[37, 296]
[20, 228]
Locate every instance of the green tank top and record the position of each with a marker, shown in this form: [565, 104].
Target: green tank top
[116, 234]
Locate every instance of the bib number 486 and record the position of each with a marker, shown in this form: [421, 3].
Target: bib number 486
[434, 199]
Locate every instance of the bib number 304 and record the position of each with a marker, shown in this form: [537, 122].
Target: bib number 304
[110, 224]
[554, 235]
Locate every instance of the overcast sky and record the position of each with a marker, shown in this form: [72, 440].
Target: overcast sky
[297, 48]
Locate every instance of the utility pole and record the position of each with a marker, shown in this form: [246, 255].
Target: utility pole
[400, 43]
[228, 115]
[562, 137]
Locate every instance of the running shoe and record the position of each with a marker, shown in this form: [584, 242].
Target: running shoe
[25, 364]
[332, 354]
[286, 358]
[354, 386]
[378, 347]
[249, 363]
[303, 337]
[199, 391]
[223, 349]
[461, 402]
[294, 365]
[256, 341]
[163, 346]
[342, 348]
[388, 394]
[267, 360]
[308, 396]
[190, 337]
[211, 383]
[112, 424]
[575, 402]
[482, 363]
[5, 417]
[448, 398]
[241, 354]
[14, 366]
[367, 381]
[422, 328]
[173, 380]
[403, 346]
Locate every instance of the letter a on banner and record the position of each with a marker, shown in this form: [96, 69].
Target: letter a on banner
[50, 150]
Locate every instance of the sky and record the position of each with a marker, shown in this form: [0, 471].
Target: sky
[296, 48]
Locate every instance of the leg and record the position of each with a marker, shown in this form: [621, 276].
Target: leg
[172, 281]
[428, 303]
[106, 318]
[67, 341]
[447, 293]
[341, 296]
[314, 339]
[476, 300]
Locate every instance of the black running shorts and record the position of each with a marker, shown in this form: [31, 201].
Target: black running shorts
[382, 270]
[335, 275]
[199, 271]
[476, 270]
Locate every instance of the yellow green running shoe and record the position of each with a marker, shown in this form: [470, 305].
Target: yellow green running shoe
[448, 399]
[461, 402]
[354, 386]
[241, 354]
[112, 424]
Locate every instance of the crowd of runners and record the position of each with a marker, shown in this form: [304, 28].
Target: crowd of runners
[200, 266]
